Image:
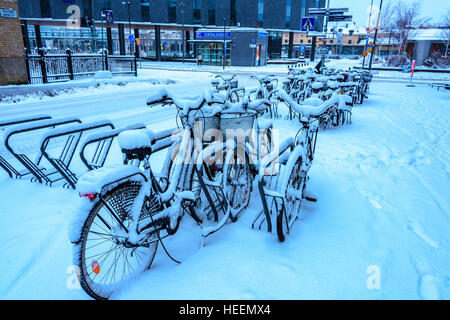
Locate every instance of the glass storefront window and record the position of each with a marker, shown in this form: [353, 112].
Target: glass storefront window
[87, 40]
[212, 53]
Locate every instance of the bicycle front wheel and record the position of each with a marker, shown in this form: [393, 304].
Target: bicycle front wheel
[106, 257]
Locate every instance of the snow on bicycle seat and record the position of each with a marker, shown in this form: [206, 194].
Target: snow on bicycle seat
[317, 85]
[333, 84]
[136, 144]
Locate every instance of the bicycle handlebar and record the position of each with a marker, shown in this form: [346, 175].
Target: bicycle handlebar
[225, 79]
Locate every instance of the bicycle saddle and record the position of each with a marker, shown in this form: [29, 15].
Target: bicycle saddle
[136, 144]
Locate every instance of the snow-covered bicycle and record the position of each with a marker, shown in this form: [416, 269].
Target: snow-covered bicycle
[127, 211]
[283, 175]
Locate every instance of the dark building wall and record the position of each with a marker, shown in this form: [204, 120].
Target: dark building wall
[204, 13]
[274, 14]
[246, 11]
[29, 9]
[120, 11]
[296, 14]
[188, 11]
[222, 11]
[159, 11]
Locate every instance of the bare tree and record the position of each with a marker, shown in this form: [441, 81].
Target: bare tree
[406, 20]
[445, 32]
[386, 17]
[387, 22]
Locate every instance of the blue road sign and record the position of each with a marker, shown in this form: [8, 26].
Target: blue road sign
[109, 16]
[131, 38]
[308, 23]
[302, 48]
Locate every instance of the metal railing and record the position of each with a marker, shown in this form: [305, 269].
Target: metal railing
[46, 68]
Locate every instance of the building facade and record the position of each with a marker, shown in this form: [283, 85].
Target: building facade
[12, 65]
[158, 23]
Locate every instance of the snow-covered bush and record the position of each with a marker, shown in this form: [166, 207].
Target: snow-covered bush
[437, 60]
[397, 60]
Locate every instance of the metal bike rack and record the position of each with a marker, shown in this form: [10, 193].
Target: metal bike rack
[103, 141]
[9, 168]
[62, 162]
[20, 120]
[32, 167]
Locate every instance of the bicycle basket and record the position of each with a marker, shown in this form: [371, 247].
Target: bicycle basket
[233, 84]
[236, 125]
[207, 123]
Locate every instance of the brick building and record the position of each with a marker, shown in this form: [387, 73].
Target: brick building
[12, 62]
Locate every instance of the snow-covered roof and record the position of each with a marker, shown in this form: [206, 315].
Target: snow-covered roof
[427, 34]
[346, 28]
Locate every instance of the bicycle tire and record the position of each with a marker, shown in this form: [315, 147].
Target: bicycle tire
[291, 205]
[124, 194]
[237, 174]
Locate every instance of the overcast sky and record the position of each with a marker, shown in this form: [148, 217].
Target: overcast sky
[358, 8]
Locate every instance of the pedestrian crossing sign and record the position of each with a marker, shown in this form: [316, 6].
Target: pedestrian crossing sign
[308, 23]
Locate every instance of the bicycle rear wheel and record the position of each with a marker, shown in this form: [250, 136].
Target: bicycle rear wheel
[104, 257]
[292, 202]
[237, 184]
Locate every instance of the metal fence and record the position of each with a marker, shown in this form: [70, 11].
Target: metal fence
[45, 68]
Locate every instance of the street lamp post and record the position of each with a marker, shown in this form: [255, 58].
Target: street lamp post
[224, 44]
[375, 37]
[183, 46]
[128, 4]
[103, 39]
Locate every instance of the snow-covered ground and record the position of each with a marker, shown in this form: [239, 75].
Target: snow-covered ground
[383, 209]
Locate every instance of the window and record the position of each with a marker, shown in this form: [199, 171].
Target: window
[260, 11]
[145, 10]
[106, 4]
[196, 11]
[87, 8]
[212, 12]
[288, 13]
[233, 12]
[349, 41]
[309, 41]
[303, 8]
[45, 9]
[301, 41]
[172, 10]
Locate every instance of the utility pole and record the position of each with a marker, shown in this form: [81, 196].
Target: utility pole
[375, 37]
[368, 29]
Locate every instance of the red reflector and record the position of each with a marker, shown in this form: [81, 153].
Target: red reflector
[91, 195]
